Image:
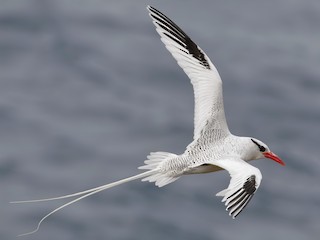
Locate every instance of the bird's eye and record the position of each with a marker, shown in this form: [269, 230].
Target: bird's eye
[261, 148]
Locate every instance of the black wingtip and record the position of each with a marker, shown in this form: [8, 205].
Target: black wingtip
[175, 33]
[240, 198]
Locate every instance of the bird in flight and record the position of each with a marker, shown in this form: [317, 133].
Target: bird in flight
[213, 147]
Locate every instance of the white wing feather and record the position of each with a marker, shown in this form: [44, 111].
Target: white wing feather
[207, 84]
[244, 182]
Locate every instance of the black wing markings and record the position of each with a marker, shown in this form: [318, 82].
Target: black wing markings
[240, 199]
[179, 36]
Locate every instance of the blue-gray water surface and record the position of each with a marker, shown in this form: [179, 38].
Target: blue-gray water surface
[87, 90]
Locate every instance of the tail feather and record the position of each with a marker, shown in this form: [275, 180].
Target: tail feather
[84, 194]
[155, 159]
[153, 174]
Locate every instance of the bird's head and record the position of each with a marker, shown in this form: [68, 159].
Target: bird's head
[261, 150]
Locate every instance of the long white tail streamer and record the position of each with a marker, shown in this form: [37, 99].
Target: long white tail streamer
[85, 194]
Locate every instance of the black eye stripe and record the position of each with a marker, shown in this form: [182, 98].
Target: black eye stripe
[261, 148]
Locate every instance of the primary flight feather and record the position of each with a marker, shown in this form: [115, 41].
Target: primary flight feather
[213, 147]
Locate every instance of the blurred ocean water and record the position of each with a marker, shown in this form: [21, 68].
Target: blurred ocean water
[87, 90]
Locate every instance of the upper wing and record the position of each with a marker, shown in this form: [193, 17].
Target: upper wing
[245, 180]
[209, 118]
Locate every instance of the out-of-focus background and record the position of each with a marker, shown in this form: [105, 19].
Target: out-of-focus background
[87, 90]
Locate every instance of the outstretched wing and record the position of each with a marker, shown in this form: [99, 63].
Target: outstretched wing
[209, 117]
[245, 180]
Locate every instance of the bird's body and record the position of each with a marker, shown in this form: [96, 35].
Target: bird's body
[199, 159]
[213, 147]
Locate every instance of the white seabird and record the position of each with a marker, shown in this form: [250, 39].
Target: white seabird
[213, 147]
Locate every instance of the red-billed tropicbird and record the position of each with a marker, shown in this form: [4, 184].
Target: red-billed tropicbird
[213, 147]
